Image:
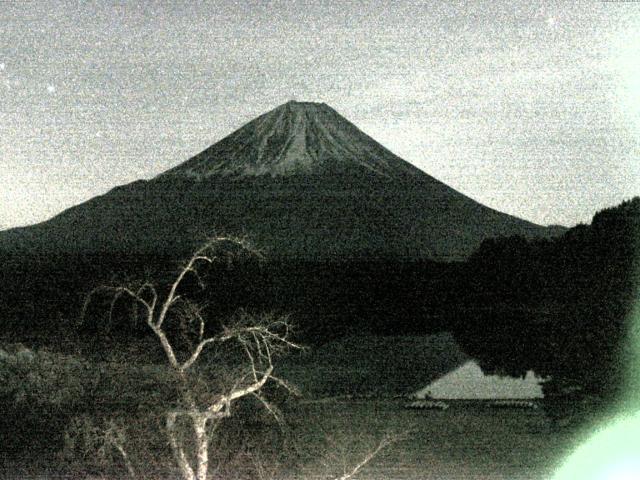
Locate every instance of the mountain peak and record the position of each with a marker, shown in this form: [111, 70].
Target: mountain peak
[297, 104]
[296, 139]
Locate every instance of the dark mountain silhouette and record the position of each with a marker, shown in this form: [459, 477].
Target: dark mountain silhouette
[301, 182]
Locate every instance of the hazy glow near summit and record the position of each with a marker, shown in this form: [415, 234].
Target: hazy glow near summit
[532, 108]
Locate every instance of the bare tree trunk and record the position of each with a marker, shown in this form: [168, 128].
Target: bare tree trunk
[127, 462]
[202, 445]
[178, 452]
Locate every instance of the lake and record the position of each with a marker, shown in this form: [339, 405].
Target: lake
[467, 441]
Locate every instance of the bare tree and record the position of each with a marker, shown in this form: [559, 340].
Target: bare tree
[337, 459]
[349, 473]
[259, 339]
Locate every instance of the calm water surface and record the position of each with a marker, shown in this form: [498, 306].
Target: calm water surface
[467, 441]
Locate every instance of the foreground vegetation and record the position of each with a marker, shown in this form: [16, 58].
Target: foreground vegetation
[66, 416]
[64, 434]
[111, 411]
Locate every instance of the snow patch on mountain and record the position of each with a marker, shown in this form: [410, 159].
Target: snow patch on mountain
[297, 138]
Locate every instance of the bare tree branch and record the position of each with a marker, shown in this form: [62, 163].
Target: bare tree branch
[196, 353]
[225, 401]
[275, 412]
[260, 338]
[384, 443]
[292, 389]
[166, 346]
[200, 256]
[114, 436]
[178, 451]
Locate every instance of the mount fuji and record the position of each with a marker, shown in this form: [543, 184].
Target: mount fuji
[301, 182]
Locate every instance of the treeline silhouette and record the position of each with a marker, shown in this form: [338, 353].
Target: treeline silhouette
[559, 306]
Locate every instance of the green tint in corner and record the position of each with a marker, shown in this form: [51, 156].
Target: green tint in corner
[612, 452]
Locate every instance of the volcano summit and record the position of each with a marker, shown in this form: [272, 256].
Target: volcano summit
[301, 182]
[297, 139]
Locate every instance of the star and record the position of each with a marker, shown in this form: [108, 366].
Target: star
[551, 21]
[51, 89]
[2, 66]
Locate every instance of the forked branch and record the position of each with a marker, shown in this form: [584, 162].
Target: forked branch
[384, 443]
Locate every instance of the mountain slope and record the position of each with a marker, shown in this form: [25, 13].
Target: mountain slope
[301, 182]
[296, 139]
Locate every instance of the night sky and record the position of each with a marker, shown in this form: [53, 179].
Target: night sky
[532, 108]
